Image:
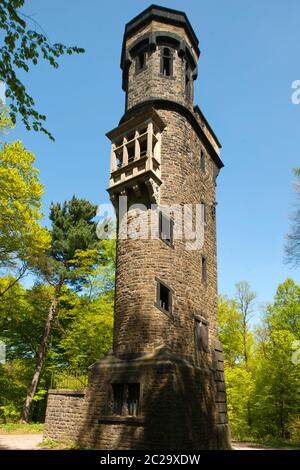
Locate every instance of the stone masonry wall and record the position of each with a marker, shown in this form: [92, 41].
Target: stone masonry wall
[177, 408]
[139, 325]
[64, 413]
[150, 83]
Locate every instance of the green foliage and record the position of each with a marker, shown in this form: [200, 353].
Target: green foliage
[230, 330]
[81, 331]
[5, 119]
[276, 394]
[263, 392]
[21, 428]
[239, 384]
[14, 376]
[72, 257]
[294, 428]
[297, 171]
[21, 48]
[89, 335]
[284, 313]
[73, 379]
[75, 248]
[21, 236]
[52, 444]
[22, 316]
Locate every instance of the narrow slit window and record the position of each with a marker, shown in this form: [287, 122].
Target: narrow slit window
[164, 297]
[187, 86]
[187, 81]
[166, 229]
[204, 269]
[118, 399]
[140, 61]
[166, 65]
[201, 335]
[202, 161]
[133, 398]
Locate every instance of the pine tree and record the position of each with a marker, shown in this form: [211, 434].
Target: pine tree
[72, 256]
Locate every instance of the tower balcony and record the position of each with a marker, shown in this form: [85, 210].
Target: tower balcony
[136, 155]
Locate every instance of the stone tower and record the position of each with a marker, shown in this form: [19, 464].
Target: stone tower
[162, 386]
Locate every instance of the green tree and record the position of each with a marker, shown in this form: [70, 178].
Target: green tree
[22, 316]
[89, 335]
[239, 387]
[284, 313]
[22, 47]
[230, 331]
[239, 353]
[21, 236]
[245, 299]
[276, 396]
[14, 375]
[74, 244]
[81, 333]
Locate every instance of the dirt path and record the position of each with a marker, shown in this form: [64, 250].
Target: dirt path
[20, 441]
[251, 446]
[31, 441]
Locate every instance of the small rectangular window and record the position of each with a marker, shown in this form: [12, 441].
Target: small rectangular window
[164, 294]
[166, 64]
[133, 398]
[201, 335]
[187, 81]
[204, 269]
[166, 228]
[140, 61]
[126, 399]
[187, 86]
[202, 161]
[164, 297]
[118, 398]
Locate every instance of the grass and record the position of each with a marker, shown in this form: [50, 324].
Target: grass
[52, 444]
[278, 443]
[18, 428]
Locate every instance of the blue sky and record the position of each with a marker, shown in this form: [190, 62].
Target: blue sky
[249, 59]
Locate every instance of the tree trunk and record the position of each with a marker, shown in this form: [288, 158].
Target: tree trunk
[41, 355]
[245, 342]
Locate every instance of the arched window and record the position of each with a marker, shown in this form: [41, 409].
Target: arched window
[166, 68]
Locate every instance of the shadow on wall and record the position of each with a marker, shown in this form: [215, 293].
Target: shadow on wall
[180, 406]
[176, 409]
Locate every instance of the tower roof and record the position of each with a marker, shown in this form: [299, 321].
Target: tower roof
[165, 15]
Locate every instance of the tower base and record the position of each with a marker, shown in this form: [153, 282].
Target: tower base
[180, 407]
